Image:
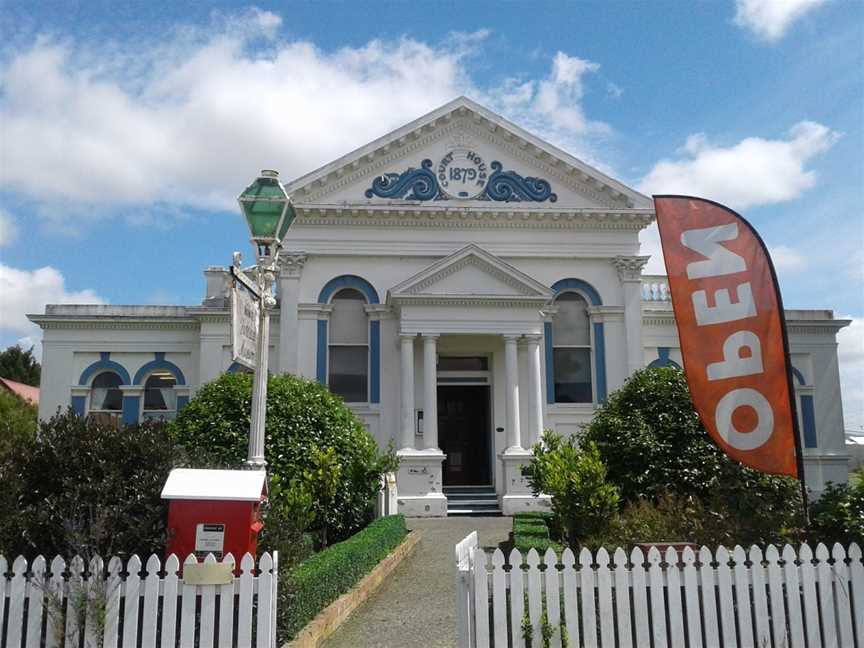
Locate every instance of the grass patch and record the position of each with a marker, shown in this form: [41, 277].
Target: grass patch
[309, 587]
[531, 531]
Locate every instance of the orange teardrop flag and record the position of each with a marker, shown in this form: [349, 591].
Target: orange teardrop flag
[732, 331]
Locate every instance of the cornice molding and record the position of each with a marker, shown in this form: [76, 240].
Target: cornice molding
[470, 300]
[117, 324]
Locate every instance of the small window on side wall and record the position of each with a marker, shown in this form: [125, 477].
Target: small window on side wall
[571, 350]
[106, 398]
[348, 347]
[160, 399]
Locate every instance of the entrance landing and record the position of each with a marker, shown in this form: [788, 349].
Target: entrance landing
[417, 604]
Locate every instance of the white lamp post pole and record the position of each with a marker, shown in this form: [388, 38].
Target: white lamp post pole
[255, 457]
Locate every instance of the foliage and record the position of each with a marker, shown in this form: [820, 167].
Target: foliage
[531, 530]
[309, 587]
[838, 516]
[575, 478]
[653, 442]
[287, 516]
[20, 365]
[310, 437]
[84, 487]
[17, 421]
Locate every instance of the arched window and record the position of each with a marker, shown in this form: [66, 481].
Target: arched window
[571, 350]
[348, 347]
[160, 399]
[106, 398]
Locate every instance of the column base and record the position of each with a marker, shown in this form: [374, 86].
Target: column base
[512, 504]
[517, 497]
[419, 483]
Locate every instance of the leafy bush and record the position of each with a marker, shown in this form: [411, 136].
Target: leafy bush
[310, 437]
[312, 585]
[838, 516]
[653, 442]
[20, 365]
[17, 422]
[81, 486]
[575, 478]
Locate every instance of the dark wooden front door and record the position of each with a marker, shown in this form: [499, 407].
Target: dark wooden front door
[463, 432]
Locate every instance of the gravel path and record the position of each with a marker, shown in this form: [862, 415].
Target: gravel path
[416, 606]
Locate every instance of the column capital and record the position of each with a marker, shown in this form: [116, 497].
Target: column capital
[533, 338]
[511, 337]
[630, 267]
[431, 337]
[291, 264]
[407, 336]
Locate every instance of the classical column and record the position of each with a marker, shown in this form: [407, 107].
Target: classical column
[535, 391]
[630, 272]
[430, 392]
[407, 440]
[290, 269]
[511, 386]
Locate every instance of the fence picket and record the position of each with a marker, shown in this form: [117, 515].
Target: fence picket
[244, 623]
[264, 637]
[112, 601]
[691, 597]
[169, 602]
[151, 602]
[553, 595]
[808, 591]
[658, 603]
[842, 595]
[604, 600]
[226, 607]
[57, 601]
[727, 604]
[535, 602]
[707, 582]
[571, 596]
[760, 598]
[34, 609]
[742, 598]
[673, 595]
[74, 622]
[640, 598]
[793, 598]
[589, 613]
[499, 599]
[207, 620]
[187, 607]
[517, 599]
[481, 596]
[856, 578]
[16, 602]
[132, 602]
[825, 580]
[94, 589]
[622, 599]
[4, 586]
[775, 595]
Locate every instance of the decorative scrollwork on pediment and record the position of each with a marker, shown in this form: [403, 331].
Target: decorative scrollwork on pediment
[413, 184]
[509, 186]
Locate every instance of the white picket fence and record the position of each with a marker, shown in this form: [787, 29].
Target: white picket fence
[124, 607]
[737, 599]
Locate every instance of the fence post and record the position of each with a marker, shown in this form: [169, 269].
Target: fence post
[464, 599]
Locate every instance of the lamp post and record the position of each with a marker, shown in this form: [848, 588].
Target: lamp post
[269, 213]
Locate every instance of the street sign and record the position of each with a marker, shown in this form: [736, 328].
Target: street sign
[245, 309]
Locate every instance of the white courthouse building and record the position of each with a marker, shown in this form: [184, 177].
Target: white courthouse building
[462, 284]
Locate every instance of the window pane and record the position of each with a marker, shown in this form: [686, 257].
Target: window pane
[572, 375]
[348, 324]
[571, 324]
[105, 393]
[349, 373]
[463, 364]
[159, 392]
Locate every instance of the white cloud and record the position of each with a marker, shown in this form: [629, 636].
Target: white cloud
[787, 258]
[755, 171]
[27, 291]
[850, 352]
[8, 229]
[769, 19]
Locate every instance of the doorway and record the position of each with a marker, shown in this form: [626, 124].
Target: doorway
[463, 434]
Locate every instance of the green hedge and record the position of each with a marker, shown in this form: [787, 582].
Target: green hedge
[531, 531]
[309, 587]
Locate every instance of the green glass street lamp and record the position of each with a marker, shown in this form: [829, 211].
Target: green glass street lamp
[269, 213]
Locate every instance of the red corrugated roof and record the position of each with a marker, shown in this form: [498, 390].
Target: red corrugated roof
[20, 389]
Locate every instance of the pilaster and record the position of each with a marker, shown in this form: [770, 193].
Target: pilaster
[630, 273]
[290, 270]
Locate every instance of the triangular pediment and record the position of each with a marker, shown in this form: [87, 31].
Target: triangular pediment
[463, 154]
[472, 272]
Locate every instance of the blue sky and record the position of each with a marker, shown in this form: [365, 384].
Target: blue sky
[127, 129]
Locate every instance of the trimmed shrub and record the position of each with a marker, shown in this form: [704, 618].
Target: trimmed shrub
[312, 440]
[312, 585]
[838, 516]
[85, 487]
[530, 531]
